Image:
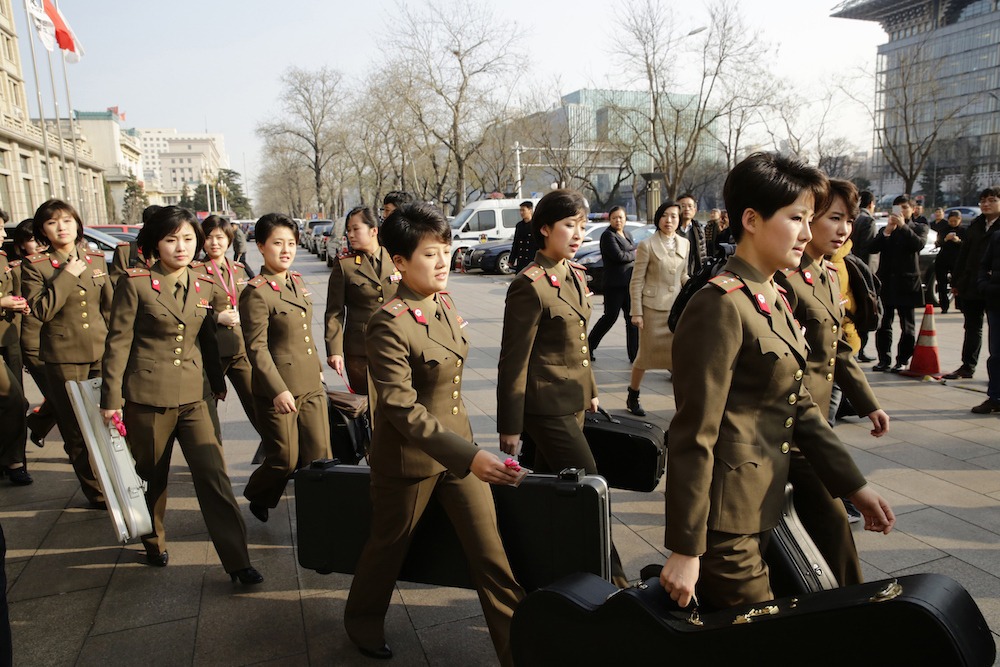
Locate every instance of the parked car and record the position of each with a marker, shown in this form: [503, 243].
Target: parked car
[489, 257]
[590, 256]
[127, 237]
[95, 239]
[134, 229]
[482, 221]
[328, 244]
[969, 213]
[315, 234]
[307, 231]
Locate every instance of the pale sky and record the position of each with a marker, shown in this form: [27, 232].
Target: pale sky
[215, 66]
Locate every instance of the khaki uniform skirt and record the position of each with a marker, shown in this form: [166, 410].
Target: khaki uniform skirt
[655, 341]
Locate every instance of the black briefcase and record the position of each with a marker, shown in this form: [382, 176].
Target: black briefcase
[794, 562]
[920, 619]
[551, 526]
[630, 453]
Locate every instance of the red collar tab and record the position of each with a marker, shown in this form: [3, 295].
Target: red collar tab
[156, 284]
[418, 315]
[762, 304]
[807, 276]
[554, 280]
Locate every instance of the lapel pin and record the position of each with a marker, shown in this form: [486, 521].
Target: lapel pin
[418, 315]
[553, 280]
[156, 284]
[807, 276]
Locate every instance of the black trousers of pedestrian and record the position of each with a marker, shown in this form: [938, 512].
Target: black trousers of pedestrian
[907, 335]
[973, 310]
[942, 270]
[616, 300]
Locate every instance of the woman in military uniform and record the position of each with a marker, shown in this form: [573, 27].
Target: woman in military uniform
[422, 441]
[545, 382]
[360, 283]
[741, 400]
[69, 291]
[813, 290]
[230, 278]
[276, 315]
[13, 425]
[161, 343]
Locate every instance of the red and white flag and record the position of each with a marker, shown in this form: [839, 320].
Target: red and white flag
[53, 29]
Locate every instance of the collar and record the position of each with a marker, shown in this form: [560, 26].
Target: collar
[558, 268]
[169, 281]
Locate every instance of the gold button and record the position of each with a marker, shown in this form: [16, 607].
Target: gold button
[454, 410]
[784, 448]
[307, 339]
[586, 362]
[789, 422]
[458, 378]
[583, 336]
[834, 327]
[832, 362]
[309, 351]
[380, 299]
[177, 350]
[829, 377]
[303, 313]
[378, 288]
[83, 292]
[305, 326]
[792, 399]
[833, 345]
[177, 362]
[178, 338]
[582, 323]
[180, 327]
[86, 326]
[458, 363]
[83, 303]
[454, 394]
[583, 350]
[83, 314]
[798, 374]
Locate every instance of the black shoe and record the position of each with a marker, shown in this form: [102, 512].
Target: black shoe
[157, 560]
[864, 358]
[986, 407]
[383, 652]
[881, 367]
[19, 476]
[259, 511]
[897, 368]
[247, 576]
[962, 372]
[632, 403]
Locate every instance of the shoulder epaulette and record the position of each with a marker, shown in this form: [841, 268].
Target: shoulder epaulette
[95, 253]
[790, 272]
[533, 272]
[727, 282]
[136, 272]
[16, 263]
[581, 267]
[781, 290]
[37, 257]
[207, 278]
[396, 307]
[257, 282]
[3, 253]
[240, 264]
[122, 244]
[197, 264]
[295, 274]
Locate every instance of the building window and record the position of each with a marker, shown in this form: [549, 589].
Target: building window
[28, 200]
[25, 164]
[5, 192]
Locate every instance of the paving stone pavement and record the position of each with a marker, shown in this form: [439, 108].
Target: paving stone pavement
[78, 598]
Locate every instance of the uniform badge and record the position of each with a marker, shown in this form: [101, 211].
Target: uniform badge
[87, 257]
[357, 259]
[807, 276]
[203, 303]
[55, 264]
[554, 280]
[156, 284]
[418, 315]
[197, 286]
[461, 322]
[762, 304]
[395, 277]
[275, 286]
[99, 274]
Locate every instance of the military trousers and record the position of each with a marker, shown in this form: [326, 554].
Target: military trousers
[76, 449]
[13, 423]
[239, 372]
[733, 570]
[397, 505]
[151, 435]
[41, 421]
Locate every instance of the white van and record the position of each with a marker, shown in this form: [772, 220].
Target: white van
[484, 220]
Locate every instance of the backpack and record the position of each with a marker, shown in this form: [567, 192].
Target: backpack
[865, 287]
[711, 267]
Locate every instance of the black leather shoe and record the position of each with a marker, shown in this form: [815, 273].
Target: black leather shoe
[986, 407]
[39, 440]
[881, 368]
[157, 560]
[19, 476]
[247, 576]
[259, 511]
[962, 372]
[897, 368]
[383, 652]
[864, 358]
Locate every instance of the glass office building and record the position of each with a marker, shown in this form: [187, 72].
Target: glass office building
[942, 60]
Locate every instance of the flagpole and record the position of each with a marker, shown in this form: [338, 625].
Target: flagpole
[64, 187]
[41, 111]
[72, 129]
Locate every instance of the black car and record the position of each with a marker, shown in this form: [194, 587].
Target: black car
[489, 257]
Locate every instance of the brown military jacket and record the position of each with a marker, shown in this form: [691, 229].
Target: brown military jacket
[814, 294]
[158, 352]
[230, 278]
[277, 328]
[9, 286]
[355, 287]
[544, 364]
[739, 367]
[416, 360]
[74, 311]
[127, 256]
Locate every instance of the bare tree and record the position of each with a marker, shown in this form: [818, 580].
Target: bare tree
[311, 100]
[284, 179]
[464, 58]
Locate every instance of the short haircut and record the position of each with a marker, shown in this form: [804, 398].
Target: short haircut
[529, 205]
[367, 216]
[662, 209]
[766, 182]
[168, 220]
[269, 222]
[553, 207]
[939, 208]
[845, 190]
[4, 216]
[213, 222]
[24, 232]
[688, 195]
[866, 199]
[48, 211]
[149, 212]
[397, 198]
[615, 209]
[989, 192]
[955, 214]
[408, 225]
[900, 200]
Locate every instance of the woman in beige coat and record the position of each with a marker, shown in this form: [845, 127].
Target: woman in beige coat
[660, 270]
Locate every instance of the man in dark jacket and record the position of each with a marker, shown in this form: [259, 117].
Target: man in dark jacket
[988, 282]
[949, 239]
[899, 247]
[965, 279]
[618, 256]
[523, 249]
[862, 237]
[693, 231]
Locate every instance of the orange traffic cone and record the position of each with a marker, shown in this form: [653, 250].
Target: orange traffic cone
[925, 362]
